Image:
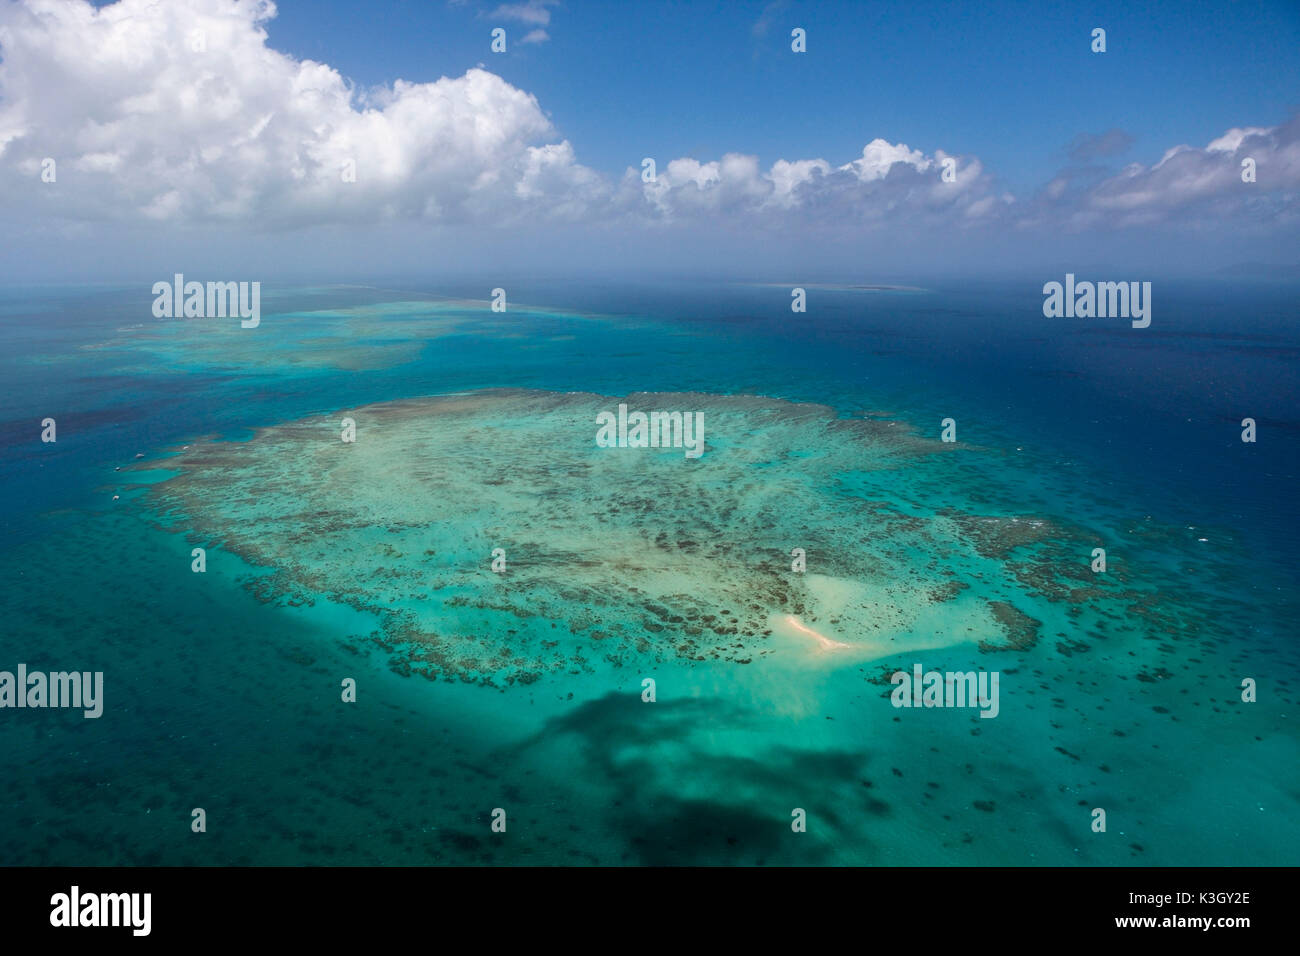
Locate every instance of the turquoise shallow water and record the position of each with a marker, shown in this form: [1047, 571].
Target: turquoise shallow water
[523, 690]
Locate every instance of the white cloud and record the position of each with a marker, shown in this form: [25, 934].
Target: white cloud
[532, 12]
[1230, 141]
[878, 157]
[142, 126]
[146, 129]
[891, 182]
[787, 177]
[1190, 183]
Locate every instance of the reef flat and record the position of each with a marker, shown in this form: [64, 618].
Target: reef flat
[614, 555]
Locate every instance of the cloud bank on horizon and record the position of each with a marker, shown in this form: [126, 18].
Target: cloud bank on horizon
[182, 112]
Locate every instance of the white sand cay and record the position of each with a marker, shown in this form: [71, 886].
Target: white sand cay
[870, 619]
[792, 623]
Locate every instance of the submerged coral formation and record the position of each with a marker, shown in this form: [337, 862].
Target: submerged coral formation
[606, 554]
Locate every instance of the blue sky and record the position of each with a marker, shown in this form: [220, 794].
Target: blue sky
[1013, 82]
[342, 138]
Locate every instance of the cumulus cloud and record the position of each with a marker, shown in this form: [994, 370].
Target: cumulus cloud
[889, 182]
[879, 157]
[181, 112]
[1204, 185]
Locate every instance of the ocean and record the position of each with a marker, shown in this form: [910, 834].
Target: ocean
[826, 539]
